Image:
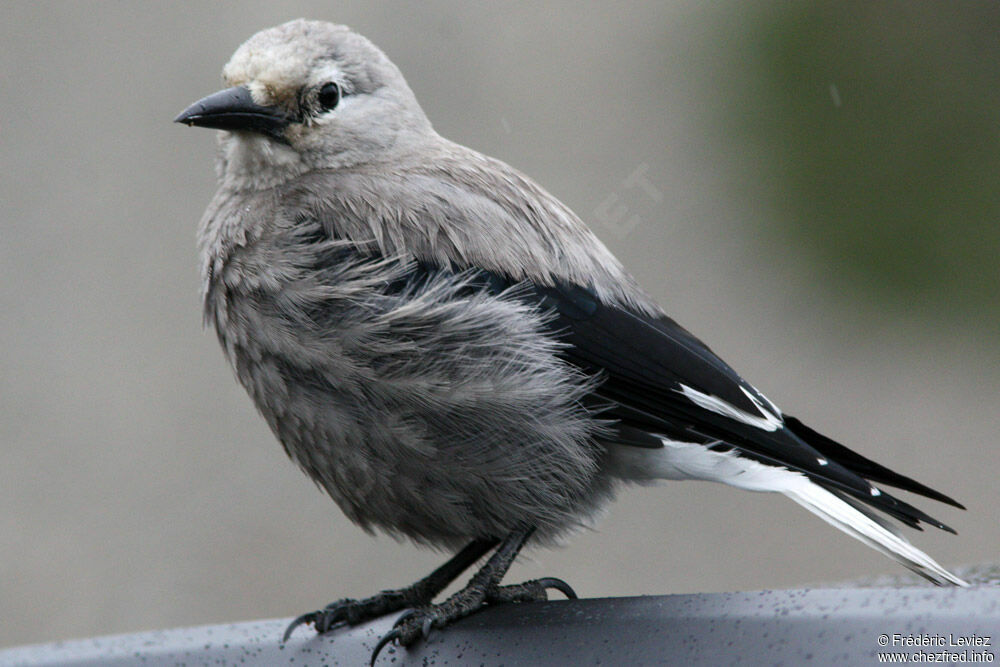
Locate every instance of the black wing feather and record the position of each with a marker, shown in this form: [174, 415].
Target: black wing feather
[643, 361]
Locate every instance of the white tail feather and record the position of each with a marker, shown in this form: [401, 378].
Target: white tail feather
[864, 527]
[686, 460]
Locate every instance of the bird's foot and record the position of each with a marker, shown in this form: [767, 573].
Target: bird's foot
[420, 594]
[417, 623]
[353, 612]
[535, 590]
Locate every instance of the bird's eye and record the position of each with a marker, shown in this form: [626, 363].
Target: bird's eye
[329, 96]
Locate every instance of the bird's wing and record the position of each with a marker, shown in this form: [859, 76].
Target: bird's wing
[660, 382]
[664, 404]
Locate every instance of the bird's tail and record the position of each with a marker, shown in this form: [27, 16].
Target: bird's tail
[685, 460]
[862, 524]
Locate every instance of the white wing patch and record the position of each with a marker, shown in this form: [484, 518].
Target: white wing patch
[768, 421]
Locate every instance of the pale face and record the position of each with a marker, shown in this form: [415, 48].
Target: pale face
[304, 96]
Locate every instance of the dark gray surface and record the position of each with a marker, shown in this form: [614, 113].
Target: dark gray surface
[790, 627]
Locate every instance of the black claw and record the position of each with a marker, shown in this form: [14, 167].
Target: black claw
[402, 617]
[389, 637]
[304, 619]
[322, 623]
[559, 585]
[331, 617]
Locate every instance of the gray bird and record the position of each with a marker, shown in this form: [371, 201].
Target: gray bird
[450, 353]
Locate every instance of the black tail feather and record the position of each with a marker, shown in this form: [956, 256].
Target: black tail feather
[903, 512]
[866, 467]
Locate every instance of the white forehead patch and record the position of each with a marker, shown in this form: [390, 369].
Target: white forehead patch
[276, 63]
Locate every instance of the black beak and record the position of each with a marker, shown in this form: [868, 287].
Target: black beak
[234, 109]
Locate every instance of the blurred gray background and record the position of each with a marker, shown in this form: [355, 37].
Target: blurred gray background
[821, 208]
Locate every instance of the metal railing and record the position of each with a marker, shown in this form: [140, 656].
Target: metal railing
[820, 626]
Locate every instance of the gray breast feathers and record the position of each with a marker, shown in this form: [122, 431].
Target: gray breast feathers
[423, 404]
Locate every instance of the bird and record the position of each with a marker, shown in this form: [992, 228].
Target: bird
[452, 355]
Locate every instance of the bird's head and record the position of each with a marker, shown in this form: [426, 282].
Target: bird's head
[308, 95]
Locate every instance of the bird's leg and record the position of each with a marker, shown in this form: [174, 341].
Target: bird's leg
[481, 590]
[352, 612]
